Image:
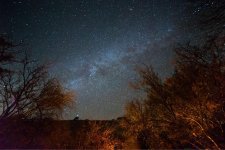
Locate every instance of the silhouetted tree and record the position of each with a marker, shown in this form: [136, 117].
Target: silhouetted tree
[53, 99]
[186, 109]
[26, 90]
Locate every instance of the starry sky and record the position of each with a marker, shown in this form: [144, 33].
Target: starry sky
[95, 45]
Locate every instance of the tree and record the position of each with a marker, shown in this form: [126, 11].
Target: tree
[53, 99]
[100, 136]
[136, 123]
[186, 109]
[199, 85]
[26, 90]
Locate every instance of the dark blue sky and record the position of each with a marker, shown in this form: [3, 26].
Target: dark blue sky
[96, 44]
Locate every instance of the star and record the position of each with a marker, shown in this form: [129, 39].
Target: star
[95, 45]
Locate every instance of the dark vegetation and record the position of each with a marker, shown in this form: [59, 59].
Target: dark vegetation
[185, 110]
[58, 134]
[26, 89]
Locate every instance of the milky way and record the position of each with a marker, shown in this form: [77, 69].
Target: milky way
[95, 45]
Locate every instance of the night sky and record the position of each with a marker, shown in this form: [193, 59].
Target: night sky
[95, 45]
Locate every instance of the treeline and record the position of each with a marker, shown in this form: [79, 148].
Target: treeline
[185, 110]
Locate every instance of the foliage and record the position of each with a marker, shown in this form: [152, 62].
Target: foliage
[54, 98]
[186, 109]
[100, 136]
[26, 90]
